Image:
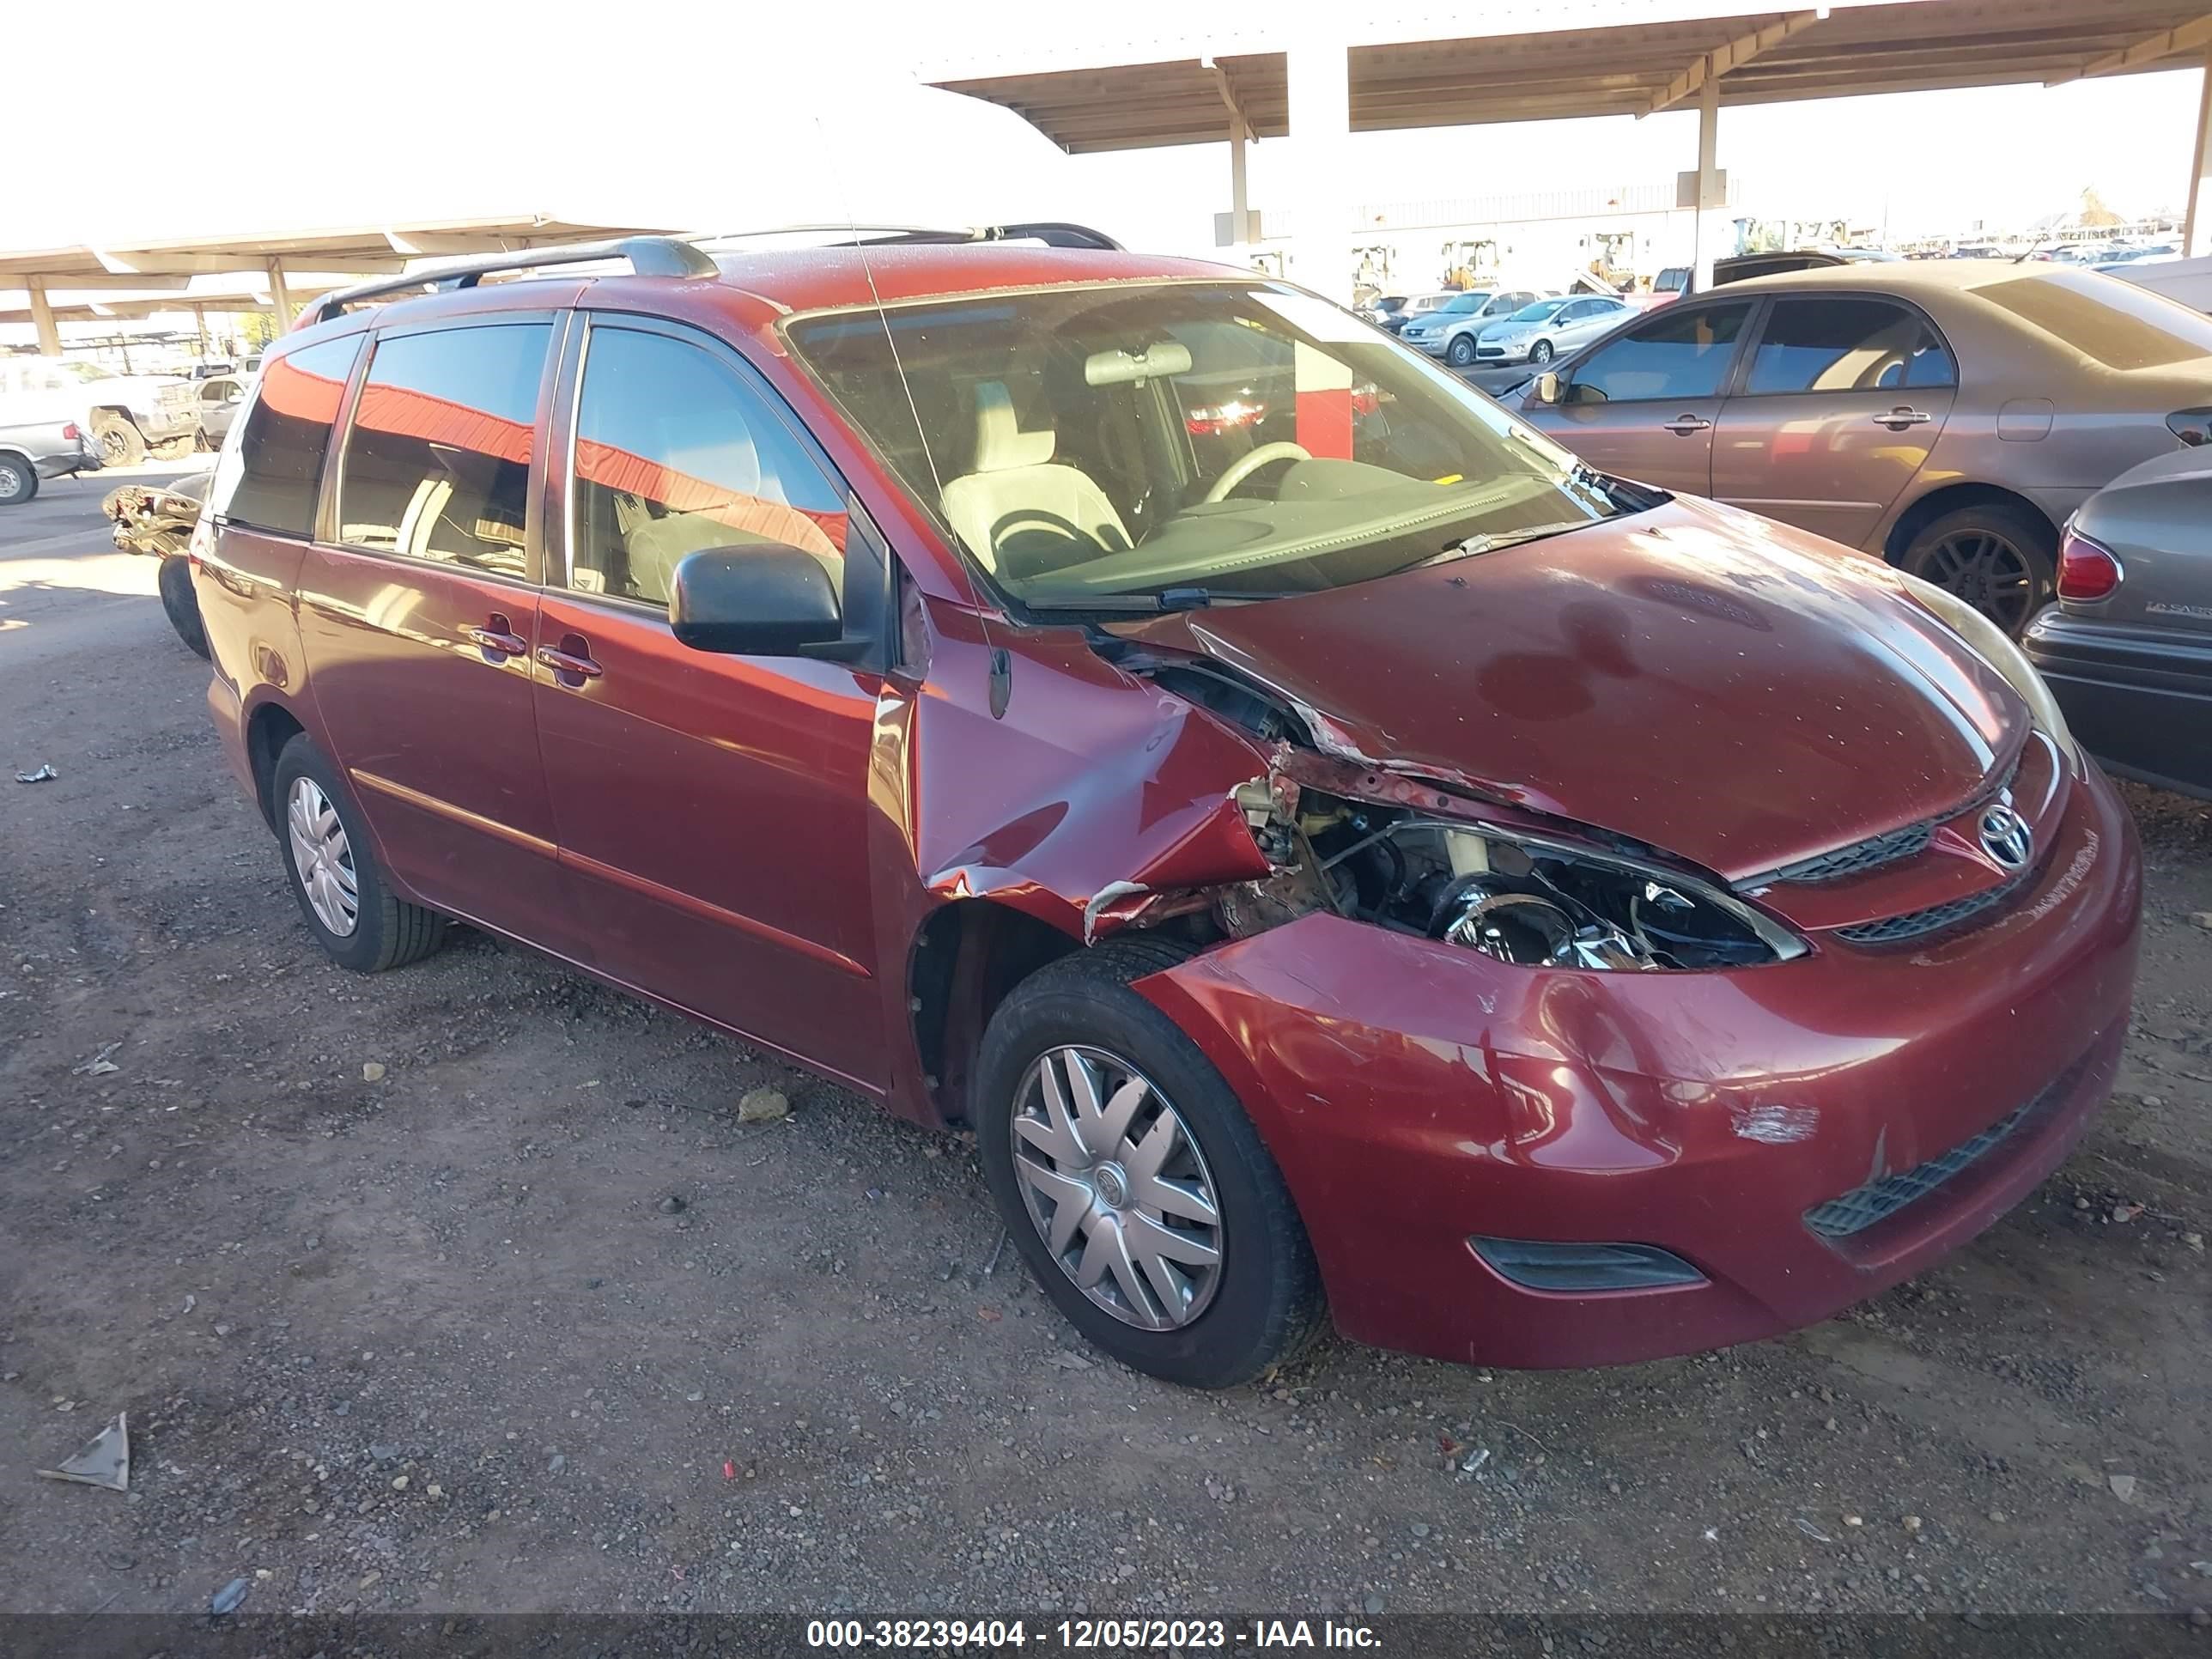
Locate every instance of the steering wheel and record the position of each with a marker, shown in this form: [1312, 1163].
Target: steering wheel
[1245, 465]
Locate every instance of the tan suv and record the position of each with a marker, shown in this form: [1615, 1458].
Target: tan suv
[1948, 416]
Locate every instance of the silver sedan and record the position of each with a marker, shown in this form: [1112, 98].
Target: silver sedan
[1550, 328]
[2128, 647]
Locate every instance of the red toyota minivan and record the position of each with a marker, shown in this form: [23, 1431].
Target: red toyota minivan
[1339, 853]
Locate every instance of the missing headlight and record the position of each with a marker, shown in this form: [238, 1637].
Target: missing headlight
[1517, 898]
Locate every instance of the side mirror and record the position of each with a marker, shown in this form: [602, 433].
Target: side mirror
[1547, 387]
[766, 599]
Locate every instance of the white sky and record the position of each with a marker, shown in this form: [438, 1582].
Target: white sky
[330, 115]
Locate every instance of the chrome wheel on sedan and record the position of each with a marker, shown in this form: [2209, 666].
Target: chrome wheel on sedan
[323, 856]
[1985, 569]
[1117, 1187]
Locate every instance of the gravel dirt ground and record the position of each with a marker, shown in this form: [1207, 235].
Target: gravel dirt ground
[465, 1288]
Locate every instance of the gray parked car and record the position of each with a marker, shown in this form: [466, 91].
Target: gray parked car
[2128, 647]
[1546, 329]
[1459, 318]
[1948, 415]
[32, 450]
[222, 396]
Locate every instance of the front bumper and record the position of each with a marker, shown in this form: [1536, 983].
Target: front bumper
[1489, 351]
[2137, 697]
[1416, 1095]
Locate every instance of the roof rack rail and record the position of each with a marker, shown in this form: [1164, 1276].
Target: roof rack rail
[648, 256]
[1052, 231]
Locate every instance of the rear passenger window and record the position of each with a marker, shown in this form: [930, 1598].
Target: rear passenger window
[269, 471]
[437, 460]
[1846, 345]
[1683, 353]
[675, 454]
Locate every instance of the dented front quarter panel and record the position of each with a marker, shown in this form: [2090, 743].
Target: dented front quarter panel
[1414, 1093]
[1094, 798]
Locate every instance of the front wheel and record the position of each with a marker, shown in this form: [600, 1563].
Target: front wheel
[18, 481]
[1460, 352]
[181, 605]
[334, 875]
[1540, 352]
[1134, 1186]
[2001, 560]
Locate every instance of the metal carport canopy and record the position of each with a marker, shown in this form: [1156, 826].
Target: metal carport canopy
[142, 266]
[1536, 59]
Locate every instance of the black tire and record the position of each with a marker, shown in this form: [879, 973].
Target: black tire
[175, 449]
[388, 931]
[2001, 560]
[121, 443]
[183, 604]
[1267, 1304]
[1540, 352]
[18, 481]
[1460, 352]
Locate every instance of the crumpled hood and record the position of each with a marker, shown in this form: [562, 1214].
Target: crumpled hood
[1714, 684]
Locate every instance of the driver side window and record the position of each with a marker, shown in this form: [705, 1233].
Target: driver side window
[1681, 353]
[674, 454]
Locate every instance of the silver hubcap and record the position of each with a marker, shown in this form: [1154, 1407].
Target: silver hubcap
[1117, 1187]
[11, 482]
[323, 857]
[1986, 570]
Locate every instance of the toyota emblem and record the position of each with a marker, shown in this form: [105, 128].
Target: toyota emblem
[2005, 837]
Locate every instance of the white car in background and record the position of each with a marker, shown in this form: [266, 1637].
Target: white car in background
[128, 415]
[1546, 329]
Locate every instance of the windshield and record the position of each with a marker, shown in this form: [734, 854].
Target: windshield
[1125, 440]
[86, 372]
[1538, 312]
[2113, 323]
[1468, 302]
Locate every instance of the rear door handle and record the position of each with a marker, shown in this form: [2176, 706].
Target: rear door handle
[1900, 417]
[1684, 425]
[570, 667]
[498, 639]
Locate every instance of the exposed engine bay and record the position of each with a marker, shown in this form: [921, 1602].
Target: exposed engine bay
[1517, 895]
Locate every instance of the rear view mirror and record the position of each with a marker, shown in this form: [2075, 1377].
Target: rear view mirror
[764, 600]
[1547, 387]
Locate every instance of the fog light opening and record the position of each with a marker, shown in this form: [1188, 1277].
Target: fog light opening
[1540, 1265]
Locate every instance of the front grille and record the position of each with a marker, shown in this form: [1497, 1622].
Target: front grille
[1884, 1196]
[1869, 854]
[1937, 918]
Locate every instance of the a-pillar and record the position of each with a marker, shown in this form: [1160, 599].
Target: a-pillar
[42, 317]
[2196, 227]
[278, 296]
[1705, 248]
[1319, 73]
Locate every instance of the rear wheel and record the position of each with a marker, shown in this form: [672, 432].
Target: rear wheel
[334, 875]
[18, 481]
[1540, 352]
[1132, 1181]
[1460, 352]
[120, 442]
[2001, 560]
[182, 603]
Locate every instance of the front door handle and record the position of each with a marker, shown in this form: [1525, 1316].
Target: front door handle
[1684, 425]
[571, 662]
[497, 640]
[1900, 417]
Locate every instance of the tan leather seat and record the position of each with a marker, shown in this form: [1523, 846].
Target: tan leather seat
[1018, 511]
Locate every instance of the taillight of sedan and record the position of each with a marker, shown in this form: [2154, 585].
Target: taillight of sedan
[1211, 420]
[2086, 571]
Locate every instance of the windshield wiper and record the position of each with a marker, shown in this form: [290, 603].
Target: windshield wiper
[1171, 599]
[1490, 541]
